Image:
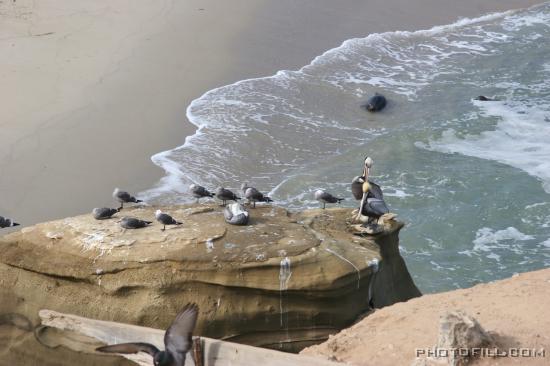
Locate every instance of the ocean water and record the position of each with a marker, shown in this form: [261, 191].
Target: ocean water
[471, 179]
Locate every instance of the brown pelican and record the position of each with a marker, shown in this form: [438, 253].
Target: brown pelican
[325, 197]
[253, 195]
[199, 191]
[371, 196]
[122, 197]
[177, 340]
[165, 219]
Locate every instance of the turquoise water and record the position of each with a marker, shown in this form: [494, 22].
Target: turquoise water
[471, 179]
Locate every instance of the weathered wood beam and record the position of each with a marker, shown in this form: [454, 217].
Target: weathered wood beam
[215, 352]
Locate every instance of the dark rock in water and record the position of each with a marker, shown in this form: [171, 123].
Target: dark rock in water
[483, 98]
[376, 103]
[236, 214]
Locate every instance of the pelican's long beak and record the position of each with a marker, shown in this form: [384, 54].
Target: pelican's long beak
[361, 206]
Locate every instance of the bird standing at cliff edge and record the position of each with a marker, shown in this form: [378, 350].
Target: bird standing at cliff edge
[371, 196]
[122, 197]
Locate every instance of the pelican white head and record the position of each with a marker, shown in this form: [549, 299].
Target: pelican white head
[368, 162]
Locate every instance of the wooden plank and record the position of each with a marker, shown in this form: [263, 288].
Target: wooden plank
[215, 352]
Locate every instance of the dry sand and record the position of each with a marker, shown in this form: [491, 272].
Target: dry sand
[91, 90]
[516, 309]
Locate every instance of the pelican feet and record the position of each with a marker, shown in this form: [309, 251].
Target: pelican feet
[368, 229]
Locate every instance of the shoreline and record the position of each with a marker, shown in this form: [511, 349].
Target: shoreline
[100, 88]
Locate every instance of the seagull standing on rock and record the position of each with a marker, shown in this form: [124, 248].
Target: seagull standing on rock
[325, 197]
[5, 222]
[122, 197]
[103, 213]
[199, 192]
[166, 219]
[133, 223]
[177, 340]
[225, 195]
[253, 195]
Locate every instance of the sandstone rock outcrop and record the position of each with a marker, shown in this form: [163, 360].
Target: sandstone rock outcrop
[460, 335]
[513, 310]
[285, 281]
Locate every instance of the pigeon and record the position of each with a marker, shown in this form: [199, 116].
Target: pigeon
[5, 222]
[122, 197]
[325, 197]
[177, 340]
[253, 195]
[166, 219]
[199, 192]
[103, 213]
[226, 195]
[133, 223]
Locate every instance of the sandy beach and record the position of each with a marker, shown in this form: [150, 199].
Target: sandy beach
[91, 90]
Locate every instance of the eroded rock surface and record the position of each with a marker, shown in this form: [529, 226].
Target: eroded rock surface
[284, 281]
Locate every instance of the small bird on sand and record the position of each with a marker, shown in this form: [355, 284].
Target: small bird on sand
[325, 197]
[177, 340]
[253, 195]
[5, 222]
[133, 223]
[103, 213]
[165, 219]
[122, 197]
[225, 195]
[199, 192]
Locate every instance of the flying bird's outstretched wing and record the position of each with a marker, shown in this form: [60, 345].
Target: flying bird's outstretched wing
[177, 338]
[130, 348]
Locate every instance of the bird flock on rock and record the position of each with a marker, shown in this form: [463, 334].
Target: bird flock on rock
[370, 195]
[178, 337]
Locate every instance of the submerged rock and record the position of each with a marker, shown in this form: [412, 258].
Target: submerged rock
[483, 98]
[286, 281]
[376, 103]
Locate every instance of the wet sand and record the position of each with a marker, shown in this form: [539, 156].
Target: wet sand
[91, 90]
